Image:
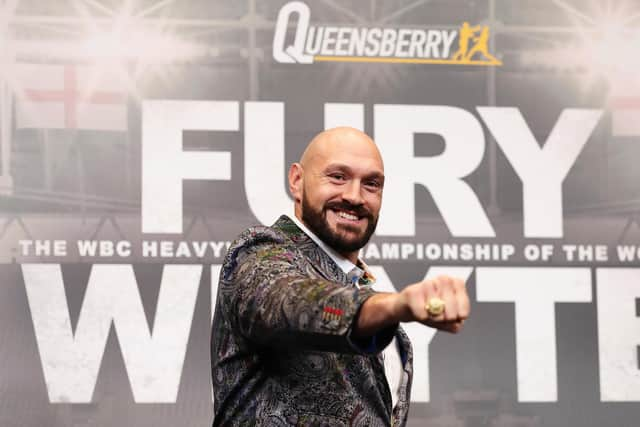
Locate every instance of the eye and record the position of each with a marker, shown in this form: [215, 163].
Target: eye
[337, 176]
[373, 184]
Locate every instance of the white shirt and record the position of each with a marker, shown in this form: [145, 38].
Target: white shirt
[391, 354]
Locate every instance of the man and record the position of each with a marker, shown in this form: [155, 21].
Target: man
[298, 333]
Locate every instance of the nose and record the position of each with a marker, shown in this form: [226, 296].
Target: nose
[352, 193]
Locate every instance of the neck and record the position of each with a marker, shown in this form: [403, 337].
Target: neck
[351, 256]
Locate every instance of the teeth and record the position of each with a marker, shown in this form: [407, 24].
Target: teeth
[347, 216]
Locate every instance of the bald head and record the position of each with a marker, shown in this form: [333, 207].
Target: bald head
[337, 188]
[332, 142]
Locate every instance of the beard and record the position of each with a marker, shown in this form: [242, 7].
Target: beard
[341, 242]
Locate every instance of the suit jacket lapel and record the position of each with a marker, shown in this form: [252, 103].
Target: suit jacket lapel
[318, 258]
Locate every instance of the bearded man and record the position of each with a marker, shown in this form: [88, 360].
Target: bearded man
[299, 336]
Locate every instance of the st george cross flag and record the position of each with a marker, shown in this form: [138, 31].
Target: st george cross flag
[624, 102]
[69, 97]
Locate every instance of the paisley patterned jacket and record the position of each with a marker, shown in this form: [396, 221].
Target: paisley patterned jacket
[281, 346]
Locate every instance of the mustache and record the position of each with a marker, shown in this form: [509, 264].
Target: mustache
[359, 210]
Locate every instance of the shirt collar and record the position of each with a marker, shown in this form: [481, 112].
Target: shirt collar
[345, 265]
[359, 273]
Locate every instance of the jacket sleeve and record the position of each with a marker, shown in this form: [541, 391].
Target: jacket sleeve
[271, 300]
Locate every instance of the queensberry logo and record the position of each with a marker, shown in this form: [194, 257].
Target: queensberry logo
[468, 45]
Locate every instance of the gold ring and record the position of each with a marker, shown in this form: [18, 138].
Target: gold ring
[435, 307]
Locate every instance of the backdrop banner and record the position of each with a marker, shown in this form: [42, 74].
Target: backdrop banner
[139, 138]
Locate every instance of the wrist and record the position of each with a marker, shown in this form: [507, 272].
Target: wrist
[400, 308]
[378, 311]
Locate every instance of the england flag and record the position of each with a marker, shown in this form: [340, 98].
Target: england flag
[69, 97]
[624, 103]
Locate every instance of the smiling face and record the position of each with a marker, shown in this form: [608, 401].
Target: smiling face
[337, 188]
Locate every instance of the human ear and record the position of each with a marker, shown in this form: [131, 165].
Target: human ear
[295, 181]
